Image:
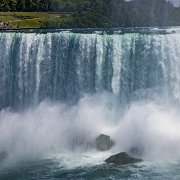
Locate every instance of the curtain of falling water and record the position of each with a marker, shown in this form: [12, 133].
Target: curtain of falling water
[64, 66]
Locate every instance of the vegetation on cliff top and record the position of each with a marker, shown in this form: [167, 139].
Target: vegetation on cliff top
[90, 13]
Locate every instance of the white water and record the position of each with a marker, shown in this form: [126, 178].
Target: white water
[51, 129]
[126, 86]
[63, 66]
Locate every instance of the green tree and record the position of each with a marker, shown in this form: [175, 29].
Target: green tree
[5, 5]
[21, 5]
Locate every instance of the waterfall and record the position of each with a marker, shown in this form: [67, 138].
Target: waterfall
[63, 66]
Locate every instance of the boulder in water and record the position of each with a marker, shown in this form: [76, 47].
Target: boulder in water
[122, 159]
[3, 156]
[104, 142]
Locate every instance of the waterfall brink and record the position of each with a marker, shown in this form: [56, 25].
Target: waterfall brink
[63, 66]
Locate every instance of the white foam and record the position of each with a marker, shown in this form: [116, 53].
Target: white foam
[51, 128]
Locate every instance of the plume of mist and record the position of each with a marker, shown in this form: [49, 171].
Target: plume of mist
[50, 128]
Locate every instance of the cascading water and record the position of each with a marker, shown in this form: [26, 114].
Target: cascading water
[60, 89]
[63, 66]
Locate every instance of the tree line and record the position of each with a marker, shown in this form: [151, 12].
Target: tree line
[102, 13]
[121, 13]
[24, 5]
[41, 5]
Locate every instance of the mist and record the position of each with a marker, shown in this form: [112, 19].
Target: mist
[174, 2]
[51, 128]
[54, 128]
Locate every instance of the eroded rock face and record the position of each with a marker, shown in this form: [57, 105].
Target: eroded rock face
[3, 156]
[104, 142]
[122, 159]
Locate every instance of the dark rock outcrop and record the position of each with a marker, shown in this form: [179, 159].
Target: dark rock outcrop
[122, 159]
[104, 142]
[3, 156]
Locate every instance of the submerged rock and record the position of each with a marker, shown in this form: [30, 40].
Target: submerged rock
[3, 156]
[104, 142]
[122, 159]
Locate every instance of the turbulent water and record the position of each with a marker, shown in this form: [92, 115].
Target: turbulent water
[61, 89]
